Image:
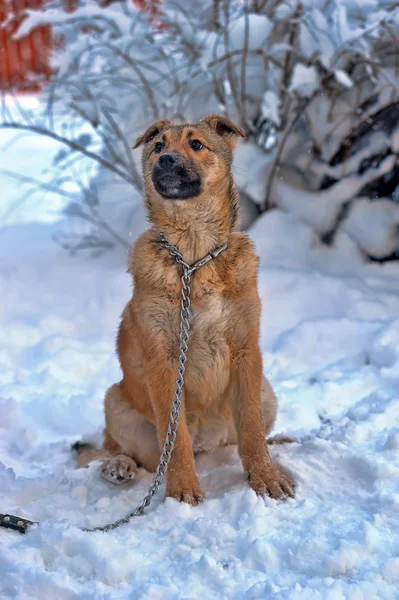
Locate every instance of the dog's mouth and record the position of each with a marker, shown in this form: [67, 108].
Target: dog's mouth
[176, 183]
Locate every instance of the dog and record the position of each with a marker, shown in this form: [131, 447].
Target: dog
[190, 197]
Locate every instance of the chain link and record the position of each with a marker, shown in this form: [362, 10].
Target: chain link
[170, 439]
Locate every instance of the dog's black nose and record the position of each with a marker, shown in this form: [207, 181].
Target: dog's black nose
[166, 161]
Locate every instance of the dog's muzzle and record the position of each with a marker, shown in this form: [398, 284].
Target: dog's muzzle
[174, 181]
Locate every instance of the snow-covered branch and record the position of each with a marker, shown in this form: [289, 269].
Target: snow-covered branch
[313, 85]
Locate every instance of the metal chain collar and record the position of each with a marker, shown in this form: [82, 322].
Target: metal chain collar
[185, 311]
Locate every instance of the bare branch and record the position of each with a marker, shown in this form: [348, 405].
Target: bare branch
[73, 145]
[244, 71]
[287, 132]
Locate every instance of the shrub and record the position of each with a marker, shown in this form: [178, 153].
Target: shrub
[314, 84]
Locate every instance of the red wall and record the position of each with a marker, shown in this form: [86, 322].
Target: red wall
[23, 60]
[24, 63]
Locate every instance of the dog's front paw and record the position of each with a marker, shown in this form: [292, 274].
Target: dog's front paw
[190, 493]
[119, 469]
[270, 480]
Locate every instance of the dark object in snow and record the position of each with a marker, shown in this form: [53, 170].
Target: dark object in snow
[79, 446]
[15, 523]
[265, 134]
[385, 120]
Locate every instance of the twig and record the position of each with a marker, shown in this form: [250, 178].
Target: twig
[97, 219]
[109, 229]
[146, 84]
[126, 146]
[244, 71]
[71, 144]
[230, 72]
[39, 184]
[287, 132]
[46, 186]
[288, 64]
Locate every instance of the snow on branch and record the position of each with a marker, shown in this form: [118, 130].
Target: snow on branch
[298, 76]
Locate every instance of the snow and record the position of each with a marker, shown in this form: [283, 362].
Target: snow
[320, 209]
[330, 344]
[343, 78]
[270, 107]
[304, 80]
[259, 28]
[53, 16]
[382, 217]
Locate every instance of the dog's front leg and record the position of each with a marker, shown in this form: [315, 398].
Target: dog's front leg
[181, 479]
[263, 475]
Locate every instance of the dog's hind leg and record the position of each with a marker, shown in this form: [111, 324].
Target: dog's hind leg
[117, 467]
[87, 453]
[134, 434]
[129, 440]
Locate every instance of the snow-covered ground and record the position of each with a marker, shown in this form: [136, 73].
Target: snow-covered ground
[330, 342]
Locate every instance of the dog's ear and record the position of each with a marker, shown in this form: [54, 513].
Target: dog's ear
[151, 132]
[225, 128]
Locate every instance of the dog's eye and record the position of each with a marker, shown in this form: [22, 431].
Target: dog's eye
[196, 145]
[158, 147]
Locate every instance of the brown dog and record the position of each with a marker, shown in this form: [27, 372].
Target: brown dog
[191, 197]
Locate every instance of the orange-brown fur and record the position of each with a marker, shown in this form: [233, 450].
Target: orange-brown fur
[225, 399]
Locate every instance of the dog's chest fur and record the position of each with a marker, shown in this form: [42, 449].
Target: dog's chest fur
[209, 312]
[218, 323]
[207, 370]
[209, 349]
[208, 365]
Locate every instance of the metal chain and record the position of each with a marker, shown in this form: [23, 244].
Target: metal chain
[185, 311]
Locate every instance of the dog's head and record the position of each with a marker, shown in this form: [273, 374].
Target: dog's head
[190, 161]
